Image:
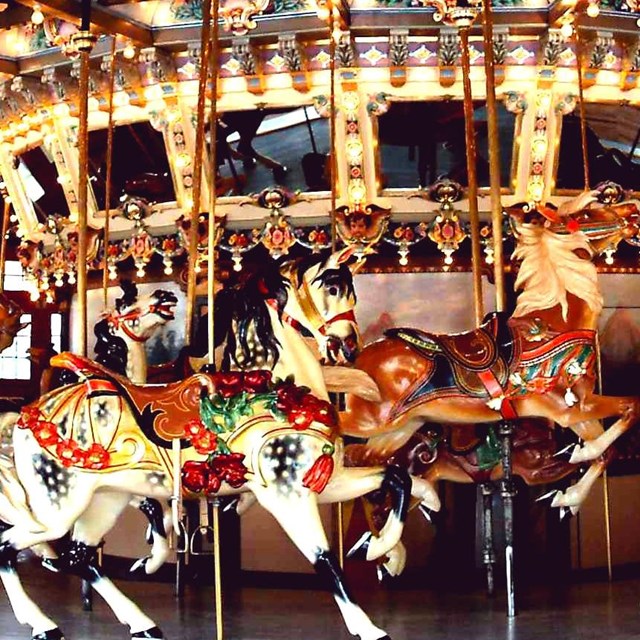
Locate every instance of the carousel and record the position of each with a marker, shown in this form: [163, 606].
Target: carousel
[319, 293]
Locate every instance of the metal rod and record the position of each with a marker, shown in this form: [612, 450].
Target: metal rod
[494, 158]
[583, 118]
[333, 167]
[107, 186]
[472, 192]
[340, 532]
[505, 431]
[205, 50]
[83, 184]
[488, 553]
[3, 243]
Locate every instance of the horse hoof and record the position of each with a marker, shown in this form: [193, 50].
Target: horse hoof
[150, 634]
[383, 573]
[429, 514]
[138, 568]
[52, 634]
[360, 548]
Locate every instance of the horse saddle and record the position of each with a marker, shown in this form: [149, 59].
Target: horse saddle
[476, 361]
[162, 411]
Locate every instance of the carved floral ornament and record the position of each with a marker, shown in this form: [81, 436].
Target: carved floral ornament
[238, 15]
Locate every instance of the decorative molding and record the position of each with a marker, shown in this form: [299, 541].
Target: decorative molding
[398, 56]
[247, 56]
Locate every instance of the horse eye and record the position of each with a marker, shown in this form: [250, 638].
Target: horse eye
[333, 291]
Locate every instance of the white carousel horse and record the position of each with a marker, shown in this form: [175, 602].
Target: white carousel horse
[84, 450]
[121, 335]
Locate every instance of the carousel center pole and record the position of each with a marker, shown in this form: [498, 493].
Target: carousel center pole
[211, 289]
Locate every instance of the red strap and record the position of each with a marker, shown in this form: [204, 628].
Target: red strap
[495, 390]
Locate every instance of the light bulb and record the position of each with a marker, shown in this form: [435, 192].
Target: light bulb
[593, 9]
[37, 17]
[566, 30]
[129, 51]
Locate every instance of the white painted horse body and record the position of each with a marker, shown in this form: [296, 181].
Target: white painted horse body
[89, 501]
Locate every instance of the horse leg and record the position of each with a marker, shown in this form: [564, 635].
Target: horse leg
[573, 497]
[80, 560]
[351, 483]
[593, 407]
[24, 609]
[157, 516]
[298, 515]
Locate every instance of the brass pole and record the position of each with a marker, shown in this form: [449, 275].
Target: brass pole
[217, 575]
[470, 139]
[583, 119]
[213, 157]
[494, 158]
[107, 186]
[3, 243]
[605, 477]
[205, 50]
[333, 167]
[211, 271]
[83, 184]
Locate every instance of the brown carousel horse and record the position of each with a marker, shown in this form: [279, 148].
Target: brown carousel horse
[458, 454]
[540, 363]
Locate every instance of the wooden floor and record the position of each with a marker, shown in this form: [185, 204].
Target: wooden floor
[585, 611]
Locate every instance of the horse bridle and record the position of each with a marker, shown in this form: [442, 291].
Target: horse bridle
[317, 324]
[117, 321]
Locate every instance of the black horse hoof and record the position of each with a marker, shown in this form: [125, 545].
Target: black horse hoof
[150, 634]
[383, 573]
[52, 634]
[360, 548]
[429, 514]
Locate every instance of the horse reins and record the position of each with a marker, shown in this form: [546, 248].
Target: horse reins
[303, 296]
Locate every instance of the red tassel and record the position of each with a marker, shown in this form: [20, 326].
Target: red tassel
[317, 478]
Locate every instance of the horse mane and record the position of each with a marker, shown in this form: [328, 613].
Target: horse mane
[242, 308]
[111, 351]
[341, 277]
[129, 294]
[551, 269]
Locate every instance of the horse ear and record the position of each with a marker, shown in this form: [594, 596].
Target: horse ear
[340, 257]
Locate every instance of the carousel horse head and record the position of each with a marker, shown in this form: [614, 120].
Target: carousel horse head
[10, 323]
[134, 320]
[138, 316]
[556, 248]
[314, 296]
[323, 299]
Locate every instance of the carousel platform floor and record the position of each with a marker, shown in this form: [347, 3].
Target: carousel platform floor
[585, 611]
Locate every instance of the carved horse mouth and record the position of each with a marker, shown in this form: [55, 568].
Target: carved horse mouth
[342, 350]
[165, 305]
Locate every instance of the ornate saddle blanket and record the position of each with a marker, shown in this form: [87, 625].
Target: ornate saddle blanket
[475, 362]
[502, 359]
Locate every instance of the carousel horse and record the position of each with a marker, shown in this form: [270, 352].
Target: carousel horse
[10, 323]
[122, 334]
[82, 451]
[454, 453]
[540, 363]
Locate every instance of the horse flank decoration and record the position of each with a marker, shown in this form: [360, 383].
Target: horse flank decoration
[249, 432]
